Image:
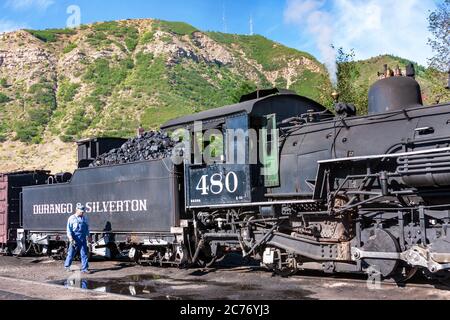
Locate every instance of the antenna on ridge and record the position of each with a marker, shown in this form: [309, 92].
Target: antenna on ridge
[251, 25]
[224, 18]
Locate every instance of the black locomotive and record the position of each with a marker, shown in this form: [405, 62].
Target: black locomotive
[331, 192]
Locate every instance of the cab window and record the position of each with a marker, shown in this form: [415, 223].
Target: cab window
[236, 137]
[208, 147]
[270, 152]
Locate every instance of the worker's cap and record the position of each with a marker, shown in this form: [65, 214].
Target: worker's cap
[81, 208]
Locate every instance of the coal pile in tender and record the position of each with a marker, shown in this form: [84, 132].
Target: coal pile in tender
[152, 145]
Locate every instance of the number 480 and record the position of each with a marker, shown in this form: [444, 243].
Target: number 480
[216, 183]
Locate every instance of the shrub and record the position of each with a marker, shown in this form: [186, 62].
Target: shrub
[148, 73]
[97, 39]
[78, 123]
[131, 43]
[120, 46]
[94, 100]
[130, 35]
[36, 139]
[147, 37]
[281, 83]
[50, 35]
[3, 131]
[179, 28]
[106, 26]
[244, 88]
[4, 98]
[106, 78]
[42, 103]
[25, 132]
[166, 39]
[127, 63]
[69, 48]
[4, 82]
[38, 119]
[67, 90]
[65, 138]
[43, 94]
[39, 116]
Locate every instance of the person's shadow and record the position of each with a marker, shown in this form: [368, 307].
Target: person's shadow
[109, 239]
[108, 227]
[120, 266]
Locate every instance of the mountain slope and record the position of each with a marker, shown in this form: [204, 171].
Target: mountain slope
[60, 85]
[107, 78]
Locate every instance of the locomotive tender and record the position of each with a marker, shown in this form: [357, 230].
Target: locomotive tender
[337, 192]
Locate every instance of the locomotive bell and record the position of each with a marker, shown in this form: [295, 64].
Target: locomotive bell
[335, 96]
[394, 93]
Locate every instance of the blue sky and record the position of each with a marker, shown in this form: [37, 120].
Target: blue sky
[371, 27]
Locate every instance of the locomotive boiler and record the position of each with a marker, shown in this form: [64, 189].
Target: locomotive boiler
[285, 181]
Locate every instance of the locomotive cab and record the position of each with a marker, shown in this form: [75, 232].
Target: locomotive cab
[234, 151]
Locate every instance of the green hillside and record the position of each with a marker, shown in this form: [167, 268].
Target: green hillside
[107, 78]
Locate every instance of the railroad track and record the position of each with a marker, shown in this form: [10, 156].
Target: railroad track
[418, 281]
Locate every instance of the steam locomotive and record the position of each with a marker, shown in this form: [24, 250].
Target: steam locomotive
[334, 192]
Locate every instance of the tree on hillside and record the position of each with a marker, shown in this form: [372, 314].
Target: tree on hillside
[439, 26]
[245, 88]
[348, 73]
[437, 91]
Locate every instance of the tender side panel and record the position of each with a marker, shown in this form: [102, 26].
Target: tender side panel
[137, 197]
[3, 209]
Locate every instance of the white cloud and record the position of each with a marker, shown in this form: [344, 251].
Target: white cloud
[371, 27]
[385, 26]
[28, 4]
[7, 26]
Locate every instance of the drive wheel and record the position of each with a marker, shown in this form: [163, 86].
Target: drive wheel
[381, 241]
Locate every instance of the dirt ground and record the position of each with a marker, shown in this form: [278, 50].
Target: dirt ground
[43, 278]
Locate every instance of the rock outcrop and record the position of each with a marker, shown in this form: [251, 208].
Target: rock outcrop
[107, 78]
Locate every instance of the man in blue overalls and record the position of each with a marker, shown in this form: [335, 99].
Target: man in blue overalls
[78, 233]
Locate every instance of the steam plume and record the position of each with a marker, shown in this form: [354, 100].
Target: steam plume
[370, 27]
[310, 14]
